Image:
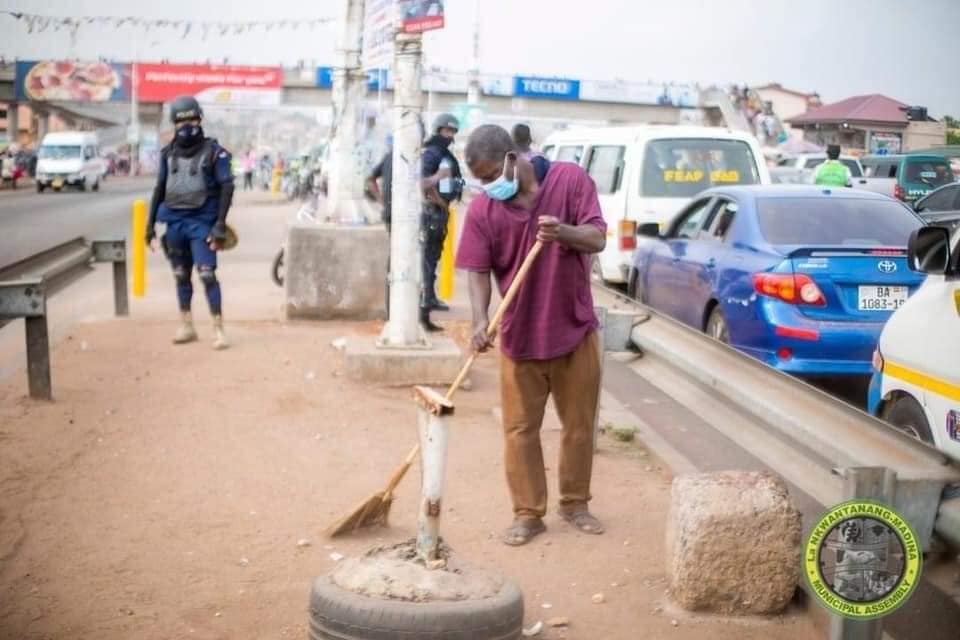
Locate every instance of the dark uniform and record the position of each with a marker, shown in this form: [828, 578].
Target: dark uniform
[433, 229]
[192, 196]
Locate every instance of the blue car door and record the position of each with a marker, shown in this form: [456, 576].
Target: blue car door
[668, 281]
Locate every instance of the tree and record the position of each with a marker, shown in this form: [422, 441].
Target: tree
[953, 129]
[951, 122]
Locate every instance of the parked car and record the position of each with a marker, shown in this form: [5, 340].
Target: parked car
[904, 177]
[916, 383]
[800, 168]
[69, 158]
[940, 206]
[800, 277]
[647, 173]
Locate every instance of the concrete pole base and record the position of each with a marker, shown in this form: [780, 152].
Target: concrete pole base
[351, 212]
[436, 363]
[387, 592]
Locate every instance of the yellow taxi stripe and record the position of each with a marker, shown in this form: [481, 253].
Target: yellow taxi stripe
[935, 385]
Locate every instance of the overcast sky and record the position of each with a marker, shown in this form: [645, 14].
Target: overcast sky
[906, 50]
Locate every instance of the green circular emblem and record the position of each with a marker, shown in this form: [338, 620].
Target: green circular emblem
[862, 560]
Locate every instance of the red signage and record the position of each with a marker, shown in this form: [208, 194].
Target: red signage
[209, 83]
[418, 16]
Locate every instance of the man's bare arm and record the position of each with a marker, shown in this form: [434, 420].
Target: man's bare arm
[480, 293]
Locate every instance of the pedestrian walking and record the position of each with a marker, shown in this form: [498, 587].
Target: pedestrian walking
[382, 193]
[249, 164]
[832, 172]
[192, 197]
[523, 140]
[442, 184]
[549, 339]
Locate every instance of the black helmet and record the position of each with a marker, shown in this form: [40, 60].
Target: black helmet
[185, 108]
[446, 121]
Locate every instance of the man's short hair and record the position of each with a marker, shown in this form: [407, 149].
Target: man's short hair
[521, 135]
[833, 151]
[488, 143]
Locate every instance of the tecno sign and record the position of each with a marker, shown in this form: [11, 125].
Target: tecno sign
[556, 88]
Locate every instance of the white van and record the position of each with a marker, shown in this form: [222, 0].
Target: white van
[647, 173]
[916, 380]
[69, 158]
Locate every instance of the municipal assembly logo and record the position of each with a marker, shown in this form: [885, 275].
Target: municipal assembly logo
[862, 560]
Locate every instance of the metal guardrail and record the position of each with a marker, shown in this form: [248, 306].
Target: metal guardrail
[26, 285]
[813, 439]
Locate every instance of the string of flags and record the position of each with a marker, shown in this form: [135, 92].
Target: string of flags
[38, 23]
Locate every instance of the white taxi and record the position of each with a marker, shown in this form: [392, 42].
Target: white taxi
[916, 383]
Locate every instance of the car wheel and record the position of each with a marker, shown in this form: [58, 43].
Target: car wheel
[96, 185]
[40, 188]
[635, 287]
[82, 185]
[717, 326]
[906, 414]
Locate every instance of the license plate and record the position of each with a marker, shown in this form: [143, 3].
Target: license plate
[880, 298]
[57, 183]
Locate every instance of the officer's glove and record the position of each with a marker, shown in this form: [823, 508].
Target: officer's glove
[219, 233]
[151, 235]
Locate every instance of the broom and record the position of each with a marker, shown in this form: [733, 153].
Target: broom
[376, 509]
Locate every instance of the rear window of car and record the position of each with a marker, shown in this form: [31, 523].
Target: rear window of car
[570, 154]
[930, 172]
[853, 166]
[683, 167]
[835, 222]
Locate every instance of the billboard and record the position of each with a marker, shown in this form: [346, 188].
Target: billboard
[379, 25]
[374, 78]
[262, 86]
[63, 81]
[418, 16]
[554, 88]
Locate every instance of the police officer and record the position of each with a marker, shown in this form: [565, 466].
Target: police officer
[442, 184]
[192, 196]
[832, 172]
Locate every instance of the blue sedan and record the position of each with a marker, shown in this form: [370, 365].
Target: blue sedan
[800, 277]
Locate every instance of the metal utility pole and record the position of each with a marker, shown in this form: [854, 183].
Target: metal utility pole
[403, 328]
[345, 202]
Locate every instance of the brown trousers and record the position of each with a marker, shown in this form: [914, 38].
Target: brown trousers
[574, 381]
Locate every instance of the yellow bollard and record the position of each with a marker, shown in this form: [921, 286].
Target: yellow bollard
[447, 258]
[138, 233]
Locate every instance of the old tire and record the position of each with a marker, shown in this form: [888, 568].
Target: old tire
[276, 269]
[338, 614]
[906, 414]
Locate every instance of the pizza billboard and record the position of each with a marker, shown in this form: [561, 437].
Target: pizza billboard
[219, 84]
[66, 81]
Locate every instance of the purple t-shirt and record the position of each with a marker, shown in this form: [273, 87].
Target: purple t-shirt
[553, 310]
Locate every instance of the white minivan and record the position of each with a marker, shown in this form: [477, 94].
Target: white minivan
[647, 173]
[916, 380]
[69, 158]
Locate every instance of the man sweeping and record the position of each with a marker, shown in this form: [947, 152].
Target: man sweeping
[549, 338]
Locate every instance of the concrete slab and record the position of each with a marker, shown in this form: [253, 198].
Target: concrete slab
[438, 365]
[336, 272]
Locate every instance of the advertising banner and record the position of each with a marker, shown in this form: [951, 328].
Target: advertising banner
[553, 88]
[421, 15]
[375, 78]
[379, 26]
[210, 83]
[50, 80]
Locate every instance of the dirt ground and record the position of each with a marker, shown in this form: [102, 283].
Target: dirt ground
[163, 494]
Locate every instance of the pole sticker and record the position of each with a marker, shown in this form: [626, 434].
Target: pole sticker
[862, 560]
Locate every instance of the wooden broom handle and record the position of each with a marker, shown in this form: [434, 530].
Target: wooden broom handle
[401, 471]
[498, 314]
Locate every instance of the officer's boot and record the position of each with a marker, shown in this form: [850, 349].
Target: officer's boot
[186, 333]
[426, 322]
[220, 341]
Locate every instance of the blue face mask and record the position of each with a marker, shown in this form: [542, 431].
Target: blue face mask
[501, 188]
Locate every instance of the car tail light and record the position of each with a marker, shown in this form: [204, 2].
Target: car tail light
[799, 334]
[628, 235]
[789, 287]
[877, 360]
[887, 252]
[898, 192]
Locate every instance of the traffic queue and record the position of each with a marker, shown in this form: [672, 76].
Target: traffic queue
[848, 268]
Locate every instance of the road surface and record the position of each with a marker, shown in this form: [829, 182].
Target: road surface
[31, 222]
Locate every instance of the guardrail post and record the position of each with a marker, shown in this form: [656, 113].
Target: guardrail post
[38, 358]
[115, 251]
[864, 483]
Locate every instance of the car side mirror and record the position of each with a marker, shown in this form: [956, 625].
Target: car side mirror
[649, 230]
[928, 250]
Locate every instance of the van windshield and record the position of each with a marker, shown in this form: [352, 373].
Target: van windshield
[927, 172]
[59, 152]
[682, 168]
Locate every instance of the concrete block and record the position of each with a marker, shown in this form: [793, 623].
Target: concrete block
[336, 272]
[733, 543]
[438, 365]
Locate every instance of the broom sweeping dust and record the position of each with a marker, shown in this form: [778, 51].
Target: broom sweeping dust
[375, 510]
